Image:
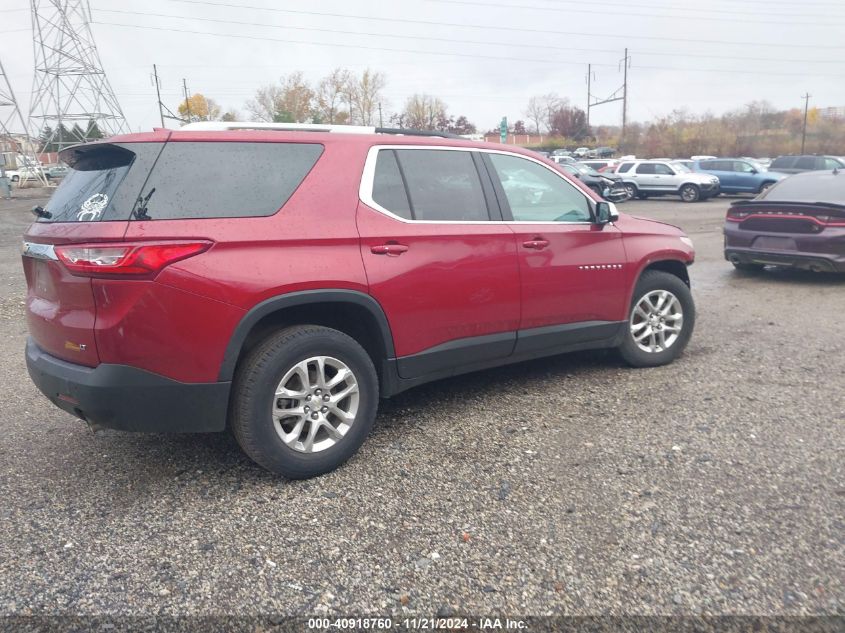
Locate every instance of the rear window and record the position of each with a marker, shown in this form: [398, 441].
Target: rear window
[218, 180]
[783, 162]
[88, 192]
[812, 187]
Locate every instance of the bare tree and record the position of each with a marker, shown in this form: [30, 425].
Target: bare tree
[263, 106]
[364, 95]
[292, 101]
[332, 94]
[536, 112]
[424, 112]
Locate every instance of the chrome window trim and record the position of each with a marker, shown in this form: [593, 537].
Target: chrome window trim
[365, 190]
[36, 250]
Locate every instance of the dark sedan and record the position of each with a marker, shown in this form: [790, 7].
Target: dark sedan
[798, 222]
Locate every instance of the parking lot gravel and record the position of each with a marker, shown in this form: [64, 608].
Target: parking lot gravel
[572, 485]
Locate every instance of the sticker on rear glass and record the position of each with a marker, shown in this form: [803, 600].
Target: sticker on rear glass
[92, 208]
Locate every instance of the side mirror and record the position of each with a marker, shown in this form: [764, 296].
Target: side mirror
[606, 212]
[753, 171]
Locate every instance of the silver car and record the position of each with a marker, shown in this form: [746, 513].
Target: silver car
[645, 178]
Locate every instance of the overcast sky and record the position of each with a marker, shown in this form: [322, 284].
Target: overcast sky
[484, 59]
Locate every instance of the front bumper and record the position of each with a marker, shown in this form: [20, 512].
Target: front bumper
[126, 398]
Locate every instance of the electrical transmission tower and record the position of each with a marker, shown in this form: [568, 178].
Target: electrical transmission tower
[72, 100]
[11, 118]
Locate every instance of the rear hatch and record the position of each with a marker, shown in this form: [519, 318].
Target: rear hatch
[92, 205]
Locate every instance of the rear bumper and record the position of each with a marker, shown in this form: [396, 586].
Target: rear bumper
[803, 261]
[126, 398]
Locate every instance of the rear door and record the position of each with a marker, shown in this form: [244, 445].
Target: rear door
[572, 269]
[446, 275]
[92, 204]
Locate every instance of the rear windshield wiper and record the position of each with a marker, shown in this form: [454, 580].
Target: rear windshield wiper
[140, 211]
[41, 212]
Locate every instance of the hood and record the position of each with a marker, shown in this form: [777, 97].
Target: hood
[702, 177]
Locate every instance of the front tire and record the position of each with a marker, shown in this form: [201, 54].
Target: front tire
[631, 190]
[304, 400]
[660, 320]
[765, 186]
[690, 193]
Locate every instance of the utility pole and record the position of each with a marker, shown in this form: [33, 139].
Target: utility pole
[806, 98]
[380, 120]
[187, 102]
[158, 94]
[625, 94]
[589, 71]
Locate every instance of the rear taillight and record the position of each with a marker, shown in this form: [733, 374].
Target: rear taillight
[737, 215]
[141, 260]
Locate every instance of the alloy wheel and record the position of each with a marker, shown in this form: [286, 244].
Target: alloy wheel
[315, 404]
[656, 321]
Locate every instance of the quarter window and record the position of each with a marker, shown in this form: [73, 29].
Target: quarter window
[537, 194]
[219, 180]
[624, 167]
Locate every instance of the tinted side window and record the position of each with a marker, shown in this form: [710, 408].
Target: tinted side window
[219, 180]
[806, 162]
[645, 168]
[388, 186]
[624, 167]
[442, 185]
[663, 170]
[537, 194]
[708, 164]
[784, 162]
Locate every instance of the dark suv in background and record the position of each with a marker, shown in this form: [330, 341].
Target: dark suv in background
[806, 162]
[281, 279]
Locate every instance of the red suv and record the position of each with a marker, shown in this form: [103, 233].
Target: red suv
[280, 281]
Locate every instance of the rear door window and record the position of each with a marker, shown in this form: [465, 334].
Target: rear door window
[389, 187]
[442, 185]
[806, 162]
[645, 168]
[222, 180]
[102, 181]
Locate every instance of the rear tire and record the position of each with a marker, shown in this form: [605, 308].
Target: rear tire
[642, 196]
[284, 414]
[661, 303]
[690, 193]
[764, 186]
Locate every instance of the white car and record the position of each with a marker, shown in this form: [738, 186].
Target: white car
[24, 173]
[581, 152]
[646, 178]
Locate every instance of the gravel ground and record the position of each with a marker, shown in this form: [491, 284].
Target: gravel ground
[565, 486]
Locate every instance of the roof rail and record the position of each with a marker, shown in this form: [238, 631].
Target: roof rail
[214, 126]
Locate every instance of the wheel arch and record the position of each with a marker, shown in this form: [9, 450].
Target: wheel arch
[666, 263]
[349, 311]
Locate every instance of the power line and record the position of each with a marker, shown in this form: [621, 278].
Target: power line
[463, 41]
[498, 5]
[465, 26]
[464, 55]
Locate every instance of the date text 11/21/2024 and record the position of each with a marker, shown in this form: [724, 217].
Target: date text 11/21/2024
[419, 624]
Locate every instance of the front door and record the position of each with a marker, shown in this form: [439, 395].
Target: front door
[446, 275]
[572, 269]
